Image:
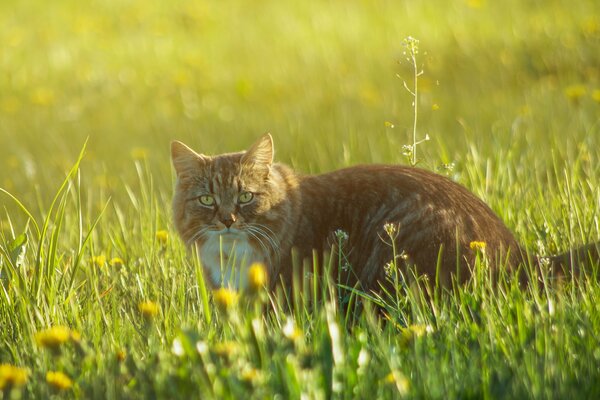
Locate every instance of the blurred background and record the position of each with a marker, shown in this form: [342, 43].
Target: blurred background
[516, 81]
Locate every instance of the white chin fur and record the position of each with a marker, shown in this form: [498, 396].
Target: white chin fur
[226, 256]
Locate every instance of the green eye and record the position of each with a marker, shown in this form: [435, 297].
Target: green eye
[207, 200]
[245, 197]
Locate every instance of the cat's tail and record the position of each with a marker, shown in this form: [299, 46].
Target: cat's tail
[581, 261]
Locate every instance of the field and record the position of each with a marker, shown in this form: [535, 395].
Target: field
[99, 298]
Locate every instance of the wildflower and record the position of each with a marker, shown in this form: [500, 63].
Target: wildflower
[177, 348]
[116, 262]
[121, 355]
[149, 309]
[225, 299]
[12, 376]
[257, 276]
[139, 153]
[99, 261]
[596, 95]
[575, 93]
[390, 229]
[435, 107]
[250, 375]
[54, 337]
[477, 246]
[59, 380]
[416, 331]
[291, 331]
[42, 96]
[225, 349]
[162, 237]
[399, 380]
[341, 235]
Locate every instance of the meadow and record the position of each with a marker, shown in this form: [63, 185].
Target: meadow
[98, 297]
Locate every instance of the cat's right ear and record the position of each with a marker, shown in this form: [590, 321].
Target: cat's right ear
[185, 159]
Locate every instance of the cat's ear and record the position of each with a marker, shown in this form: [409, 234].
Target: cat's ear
[185, 159]
[260, 154]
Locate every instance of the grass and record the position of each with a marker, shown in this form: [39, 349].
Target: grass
[510, 94]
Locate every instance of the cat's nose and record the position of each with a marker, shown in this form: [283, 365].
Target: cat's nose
[228, 220]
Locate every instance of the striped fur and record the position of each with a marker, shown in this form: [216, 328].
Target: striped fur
[436, 218]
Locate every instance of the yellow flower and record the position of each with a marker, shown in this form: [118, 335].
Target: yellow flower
[149, 309]
[54, 337]
[257, 276]
[99, 261]
[139, 153]
[162, 237]
[399, 380]
[413, 332]
[11, 376]
[121, 355]
[225, 299]
[116, 262]
[42, 96]
[58, 380]
[575, 92]
[475, 245]
[596, 95]
[225, 349]
[435, 107]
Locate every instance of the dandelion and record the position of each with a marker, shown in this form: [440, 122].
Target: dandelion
[42, 96]
[250, 375]
[120, 355]
[225, 349]
[54, 337]
[116, 262]
[399, 380]
[257, 277]
[149, 309]
[162, 237]
[225, 299]
[58, 380]
[477, 246]
[12, 376]
[99, 261]
[575, 93]
[139, 153]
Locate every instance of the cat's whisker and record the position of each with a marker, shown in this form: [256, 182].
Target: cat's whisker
[260, 242]
[257, 231]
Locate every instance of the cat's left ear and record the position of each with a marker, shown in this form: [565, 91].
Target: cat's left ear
[260, 154]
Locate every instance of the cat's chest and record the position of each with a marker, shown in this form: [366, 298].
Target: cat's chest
[227, 259]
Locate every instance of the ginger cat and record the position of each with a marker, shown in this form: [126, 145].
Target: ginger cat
[239, 208]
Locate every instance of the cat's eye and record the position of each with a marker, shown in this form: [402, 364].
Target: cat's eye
[206, 200]
[245, 197]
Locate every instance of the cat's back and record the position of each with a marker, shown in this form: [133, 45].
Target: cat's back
[430, 211]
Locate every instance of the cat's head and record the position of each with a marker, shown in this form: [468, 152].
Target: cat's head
[235, 196]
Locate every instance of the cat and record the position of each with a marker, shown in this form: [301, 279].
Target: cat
[241, 208]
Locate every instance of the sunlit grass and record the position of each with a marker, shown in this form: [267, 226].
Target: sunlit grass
[99, 299]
